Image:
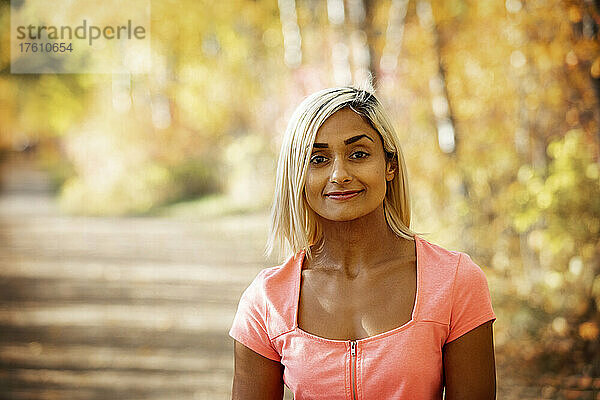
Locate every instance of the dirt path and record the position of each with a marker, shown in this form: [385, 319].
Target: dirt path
[116, 308]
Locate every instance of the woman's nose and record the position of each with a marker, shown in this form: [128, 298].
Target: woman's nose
[339, 172]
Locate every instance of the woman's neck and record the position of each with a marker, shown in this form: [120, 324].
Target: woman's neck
[351, 246]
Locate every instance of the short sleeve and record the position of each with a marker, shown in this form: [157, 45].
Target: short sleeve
[471, 300]
[250, 322]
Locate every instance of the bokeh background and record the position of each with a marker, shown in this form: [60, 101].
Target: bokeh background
[133, 209]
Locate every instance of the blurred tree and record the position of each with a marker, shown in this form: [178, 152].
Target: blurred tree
[527, 119]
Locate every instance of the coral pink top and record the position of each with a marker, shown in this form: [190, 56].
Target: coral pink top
[403, 363]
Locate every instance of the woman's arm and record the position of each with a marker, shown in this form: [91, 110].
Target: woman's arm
[469, 365]
[255, 376]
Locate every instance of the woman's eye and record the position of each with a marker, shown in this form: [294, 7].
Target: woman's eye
[359, 154]
[317, 159]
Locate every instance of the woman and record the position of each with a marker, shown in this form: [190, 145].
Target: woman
[364, 308]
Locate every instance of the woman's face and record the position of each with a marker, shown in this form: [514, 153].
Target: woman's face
[347, 173]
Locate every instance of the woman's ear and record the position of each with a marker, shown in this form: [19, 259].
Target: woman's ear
[390, 171]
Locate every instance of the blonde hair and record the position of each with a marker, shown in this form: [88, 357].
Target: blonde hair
[293, 224]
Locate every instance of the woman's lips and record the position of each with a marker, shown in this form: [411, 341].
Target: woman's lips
[343, 195]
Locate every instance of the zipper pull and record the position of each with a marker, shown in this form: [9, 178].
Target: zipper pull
[353, 348]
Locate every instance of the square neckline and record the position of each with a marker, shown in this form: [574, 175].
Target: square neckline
[392, 331]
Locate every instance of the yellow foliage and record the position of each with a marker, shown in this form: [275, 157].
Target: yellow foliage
[589, 330]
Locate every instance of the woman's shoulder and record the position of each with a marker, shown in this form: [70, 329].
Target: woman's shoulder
[434, 254]
[271, 295]
[448, 269]
[451, 281]
[273, 285]
[278, 274]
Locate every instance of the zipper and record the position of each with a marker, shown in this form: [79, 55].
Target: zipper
[353, 368]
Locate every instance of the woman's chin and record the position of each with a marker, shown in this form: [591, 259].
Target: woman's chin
[343, 216]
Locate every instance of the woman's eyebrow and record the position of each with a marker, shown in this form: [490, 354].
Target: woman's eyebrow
[347, 141]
